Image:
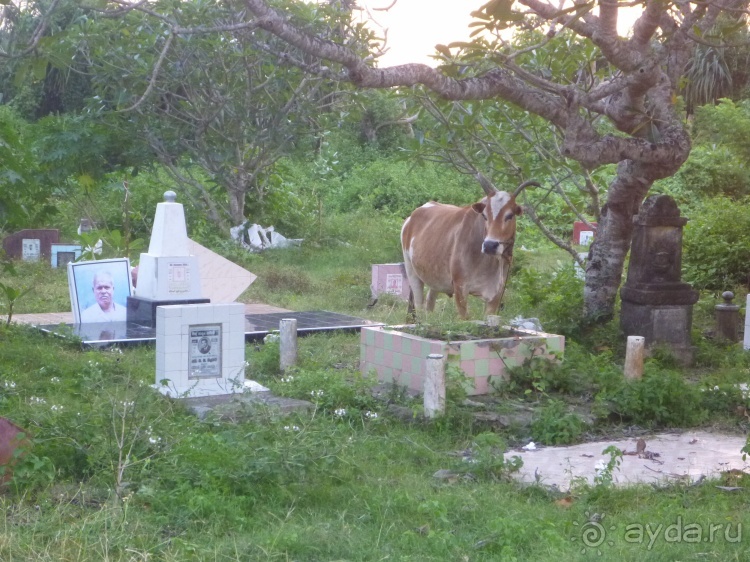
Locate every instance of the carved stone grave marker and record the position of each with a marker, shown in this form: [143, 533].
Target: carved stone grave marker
[656, 304]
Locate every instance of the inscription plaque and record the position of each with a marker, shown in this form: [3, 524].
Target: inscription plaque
[204, 357]
[31, 249]
[179, 278]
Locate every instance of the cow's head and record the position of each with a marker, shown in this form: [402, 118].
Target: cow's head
[499, 210]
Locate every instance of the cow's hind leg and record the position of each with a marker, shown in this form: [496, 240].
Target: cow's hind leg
[415, 284]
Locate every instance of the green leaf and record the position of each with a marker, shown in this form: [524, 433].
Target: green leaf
[39, 69]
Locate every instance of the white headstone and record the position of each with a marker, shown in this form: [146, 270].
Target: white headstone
[168, 271]
[200, 349]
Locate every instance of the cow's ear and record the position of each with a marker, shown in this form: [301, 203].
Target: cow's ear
[478, 207]
[519, 210]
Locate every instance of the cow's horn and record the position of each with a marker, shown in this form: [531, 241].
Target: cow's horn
[486, 184]
[524, 185]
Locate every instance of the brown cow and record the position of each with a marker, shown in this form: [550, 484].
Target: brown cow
[462, 251]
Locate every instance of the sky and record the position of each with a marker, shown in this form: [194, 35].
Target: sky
[416, 26]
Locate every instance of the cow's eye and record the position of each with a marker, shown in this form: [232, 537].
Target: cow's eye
[509, 216]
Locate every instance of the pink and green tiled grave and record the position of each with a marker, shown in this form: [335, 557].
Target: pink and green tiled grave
[399, 357]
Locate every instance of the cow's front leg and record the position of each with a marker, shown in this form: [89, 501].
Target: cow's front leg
[492, 305]
[460, 295]
[431, 298]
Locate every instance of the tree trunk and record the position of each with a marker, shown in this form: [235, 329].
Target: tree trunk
[613, 236]
[236, 206]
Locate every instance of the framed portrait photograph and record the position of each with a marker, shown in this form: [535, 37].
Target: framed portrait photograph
[99, 290]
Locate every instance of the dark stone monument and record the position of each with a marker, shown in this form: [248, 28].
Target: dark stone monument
[656, 304]
[31, 244]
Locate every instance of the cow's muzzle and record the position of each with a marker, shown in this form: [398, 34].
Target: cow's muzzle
[496, 248]
[490, 247]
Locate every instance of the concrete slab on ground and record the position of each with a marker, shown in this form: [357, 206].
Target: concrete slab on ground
[235, 407]
[668, 457]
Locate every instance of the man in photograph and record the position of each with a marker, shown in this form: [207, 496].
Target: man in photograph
[105, 309]
[205, 346]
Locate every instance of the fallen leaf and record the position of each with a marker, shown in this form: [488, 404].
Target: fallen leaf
[565, 502]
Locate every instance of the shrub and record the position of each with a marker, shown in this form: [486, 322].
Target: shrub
[557, 298]
[716, 244]
[399, 188]
[661, 398]
[710, 171]
[555, 425]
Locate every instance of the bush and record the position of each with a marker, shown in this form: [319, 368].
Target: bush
[557, 299]
[660, 399]
[398, 188]
[716, 244]
[710, 171]
[556, 426]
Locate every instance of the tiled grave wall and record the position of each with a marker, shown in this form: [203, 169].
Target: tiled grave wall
[400, 357]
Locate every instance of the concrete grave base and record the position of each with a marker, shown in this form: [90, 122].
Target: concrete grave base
[667, 324]
[668, 458]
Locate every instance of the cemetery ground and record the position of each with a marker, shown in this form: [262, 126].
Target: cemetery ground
[118, 472]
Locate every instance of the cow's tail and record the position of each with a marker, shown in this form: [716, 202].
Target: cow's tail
[411, 310]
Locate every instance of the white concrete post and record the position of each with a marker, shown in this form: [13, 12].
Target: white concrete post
[634, 357]
[434, 386]
[746, 342]
[287, 343]
[493, 320]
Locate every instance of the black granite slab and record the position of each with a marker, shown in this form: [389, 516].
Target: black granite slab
[257, 326]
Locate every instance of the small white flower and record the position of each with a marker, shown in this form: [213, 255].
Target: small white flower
[55, 408]
[37, 400]
[371, 415]
[55, 379]
[316, 393]
[10, 384]
[340, 412]
[154, 440]
[290, 378]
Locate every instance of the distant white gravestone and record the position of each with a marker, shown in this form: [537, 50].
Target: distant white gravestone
[168, 271]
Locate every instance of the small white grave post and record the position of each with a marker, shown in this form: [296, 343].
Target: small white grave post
[634, 357]
[434, 386]
[287, 343]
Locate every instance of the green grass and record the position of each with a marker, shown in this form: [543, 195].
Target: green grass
[118, 472]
